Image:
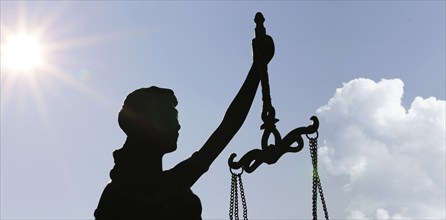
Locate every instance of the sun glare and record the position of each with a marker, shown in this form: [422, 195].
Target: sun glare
[34, 48]
[22, 53]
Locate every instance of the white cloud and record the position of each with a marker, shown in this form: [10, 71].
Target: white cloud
[357, 215]
[394, 158]
[382, 214]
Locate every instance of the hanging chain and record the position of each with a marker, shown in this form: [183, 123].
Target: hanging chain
[231, 201]
[242, 195]
[236, 179]
[317, 186]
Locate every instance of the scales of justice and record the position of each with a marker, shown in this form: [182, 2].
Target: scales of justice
[292, 142]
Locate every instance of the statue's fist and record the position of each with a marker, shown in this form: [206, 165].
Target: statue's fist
[263, 49]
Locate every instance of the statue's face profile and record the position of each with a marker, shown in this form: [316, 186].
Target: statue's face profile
[149, 116]
[161, 124]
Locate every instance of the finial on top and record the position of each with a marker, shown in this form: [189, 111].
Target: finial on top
[259, 18]
[260, 29]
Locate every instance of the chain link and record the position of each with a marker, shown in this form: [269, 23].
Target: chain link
[236, 198]
[242, 195]
[236, 180]
[317, 186]
[231, 201]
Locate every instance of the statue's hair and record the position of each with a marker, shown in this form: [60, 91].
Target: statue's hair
[138, 103]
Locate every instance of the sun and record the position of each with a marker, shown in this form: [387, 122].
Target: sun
[38, 55]
[22, 52]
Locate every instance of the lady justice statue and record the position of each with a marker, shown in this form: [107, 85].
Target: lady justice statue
[139, 187]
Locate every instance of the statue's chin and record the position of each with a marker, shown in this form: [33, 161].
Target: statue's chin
[170, 144]
[170, 148]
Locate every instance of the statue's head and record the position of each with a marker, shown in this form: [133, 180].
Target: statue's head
[149, 115]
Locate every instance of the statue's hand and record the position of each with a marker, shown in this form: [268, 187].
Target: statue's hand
[263, 49]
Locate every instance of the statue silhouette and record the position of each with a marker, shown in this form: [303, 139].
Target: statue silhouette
[139, 187]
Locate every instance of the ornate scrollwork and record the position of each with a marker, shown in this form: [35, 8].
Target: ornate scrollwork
[270, 154]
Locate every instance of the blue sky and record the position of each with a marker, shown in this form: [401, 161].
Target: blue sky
[373, 71]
